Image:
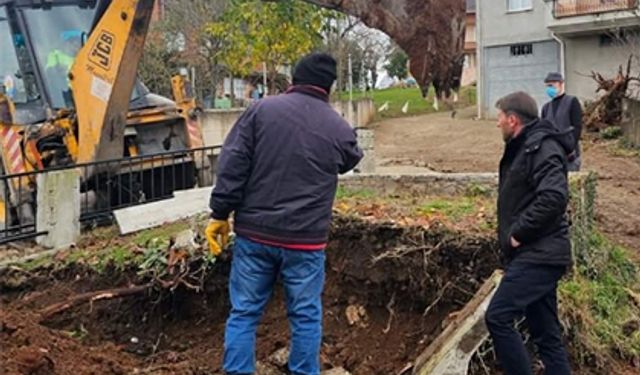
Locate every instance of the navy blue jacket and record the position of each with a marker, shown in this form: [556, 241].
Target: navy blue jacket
[279, 165]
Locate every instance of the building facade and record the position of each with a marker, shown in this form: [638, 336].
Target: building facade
[470, 69]
[520, 41]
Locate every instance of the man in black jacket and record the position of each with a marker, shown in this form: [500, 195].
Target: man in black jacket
[565, 112]
[278, 173]
[533, 235]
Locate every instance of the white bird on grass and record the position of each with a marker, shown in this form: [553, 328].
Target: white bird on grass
[405, 107]
[384, 107]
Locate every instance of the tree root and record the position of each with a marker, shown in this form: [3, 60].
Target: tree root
[91, 297]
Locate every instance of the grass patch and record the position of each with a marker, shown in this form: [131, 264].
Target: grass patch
[397, 97]
[119, 257]
[473, 212]
[162, 232]
[611, 132]
[597, 309]
[36, 263]
[344, 193]
[103, 249]
[454, 209]
[479, 190]
[624, 148]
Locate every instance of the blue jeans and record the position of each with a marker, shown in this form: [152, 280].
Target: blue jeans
[254, 271]
[528, 290]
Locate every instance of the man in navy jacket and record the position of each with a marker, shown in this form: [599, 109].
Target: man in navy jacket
[278, 174]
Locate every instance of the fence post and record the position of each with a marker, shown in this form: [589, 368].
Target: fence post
[58, 208]
[367, 144]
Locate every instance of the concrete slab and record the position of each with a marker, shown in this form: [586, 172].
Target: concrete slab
[184, 204]
[58, 208]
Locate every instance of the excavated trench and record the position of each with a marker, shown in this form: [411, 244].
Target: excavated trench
[389, 292]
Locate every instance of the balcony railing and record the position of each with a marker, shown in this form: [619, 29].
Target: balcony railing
[569, 8]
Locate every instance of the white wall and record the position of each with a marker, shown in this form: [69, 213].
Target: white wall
[500, 27]
[585, 54]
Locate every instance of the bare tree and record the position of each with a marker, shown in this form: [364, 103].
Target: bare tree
[185, 23]
[335, 34]
[430, 31]
[613, 89]
[374, 45]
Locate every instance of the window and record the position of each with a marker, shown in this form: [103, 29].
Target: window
[16, 74]
[521, 49]
[519, 5]
[57, 35]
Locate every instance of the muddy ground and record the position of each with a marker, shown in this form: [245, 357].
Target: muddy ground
[374, 320]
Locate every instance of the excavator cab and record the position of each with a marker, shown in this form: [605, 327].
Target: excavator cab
[68, 73]
[39, 43]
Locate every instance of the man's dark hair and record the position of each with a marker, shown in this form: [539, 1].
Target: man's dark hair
[519, 104]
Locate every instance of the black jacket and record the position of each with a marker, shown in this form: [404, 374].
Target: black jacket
[565, 112]
[533, 195]
[279, 165]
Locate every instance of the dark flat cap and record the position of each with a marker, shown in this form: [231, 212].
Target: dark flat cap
[554, 77]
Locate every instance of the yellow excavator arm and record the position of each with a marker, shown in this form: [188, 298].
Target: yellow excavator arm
[104, 73]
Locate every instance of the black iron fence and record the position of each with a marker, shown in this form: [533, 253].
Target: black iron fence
[17, 215]
[106, 186]
[569, 8]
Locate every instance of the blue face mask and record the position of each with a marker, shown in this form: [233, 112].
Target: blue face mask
[552, 91]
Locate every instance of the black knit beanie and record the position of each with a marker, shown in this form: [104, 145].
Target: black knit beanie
[317, 69]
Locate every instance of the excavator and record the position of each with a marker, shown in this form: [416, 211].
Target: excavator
[69, 95]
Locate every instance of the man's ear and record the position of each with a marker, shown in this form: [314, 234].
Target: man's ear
[512, 119]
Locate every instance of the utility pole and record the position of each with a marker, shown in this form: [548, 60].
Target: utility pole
[350, 80]
[264, 78]
[193, 81]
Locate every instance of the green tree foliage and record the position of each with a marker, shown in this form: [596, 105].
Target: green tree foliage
[397, 65]
[276, 33]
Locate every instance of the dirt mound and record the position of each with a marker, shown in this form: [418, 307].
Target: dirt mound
[388, 292]
[30, 348]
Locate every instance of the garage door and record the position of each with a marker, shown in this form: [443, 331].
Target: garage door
[518, 67]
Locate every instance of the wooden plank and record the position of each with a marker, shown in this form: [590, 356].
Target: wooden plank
[451, 352]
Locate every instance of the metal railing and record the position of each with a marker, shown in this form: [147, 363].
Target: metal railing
[106, 186]
[17, 214]
[569, 8]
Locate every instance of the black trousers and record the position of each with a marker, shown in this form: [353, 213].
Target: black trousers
[528, 290]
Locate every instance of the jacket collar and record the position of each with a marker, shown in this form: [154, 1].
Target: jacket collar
[315, 91]
[543, 129]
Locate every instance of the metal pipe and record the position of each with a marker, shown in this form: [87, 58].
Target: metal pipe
[562, 54]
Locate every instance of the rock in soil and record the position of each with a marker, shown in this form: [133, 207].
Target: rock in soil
[280, 358]
[336, 371]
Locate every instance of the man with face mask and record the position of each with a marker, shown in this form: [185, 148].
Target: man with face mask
[533, 235]
[565, 112]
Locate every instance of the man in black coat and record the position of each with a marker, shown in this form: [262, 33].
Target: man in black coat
[565, 112]
[533, 234]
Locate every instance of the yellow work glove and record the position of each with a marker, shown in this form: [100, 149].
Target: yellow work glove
[217, 234]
